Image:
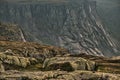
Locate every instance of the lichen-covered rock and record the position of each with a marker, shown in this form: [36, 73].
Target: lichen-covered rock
[16, 60]
[58, 75]
[52, 63]
[10, 32]
[1, 67]
[68, 64]
[116, 58]
[34, 50]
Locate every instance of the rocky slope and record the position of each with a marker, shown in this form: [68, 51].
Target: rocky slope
[10, 32]
[109, 11]
[74, 25]
[30, 61]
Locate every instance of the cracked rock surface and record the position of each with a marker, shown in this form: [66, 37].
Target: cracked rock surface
[30, 61]
[74, 25]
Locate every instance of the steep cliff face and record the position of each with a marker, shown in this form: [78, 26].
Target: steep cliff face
[74, 25]
[109, 11]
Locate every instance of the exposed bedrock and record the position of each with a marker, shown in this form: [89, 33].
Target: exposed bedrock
[72, 25]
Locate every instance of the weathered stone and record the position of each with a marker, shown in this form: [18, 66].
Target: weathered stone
[68, 64]
[33, 50]
[58, 75]
[74, 25]
[1, 67]
[16, 60]
[10, 32]
[9, 52]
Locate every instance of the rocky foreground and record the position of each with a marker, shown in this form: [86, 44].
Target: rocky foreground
[74, 26]
[32, 61]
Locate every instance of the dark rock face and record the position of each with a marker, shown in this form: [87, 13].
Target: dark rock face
[109, 11]
[74, 25]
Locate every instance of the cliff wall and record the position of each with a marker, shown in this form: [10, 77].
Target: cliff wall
[74, 25]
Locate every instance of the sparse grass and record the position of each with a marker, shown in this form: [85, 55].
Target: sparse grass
[9, 32]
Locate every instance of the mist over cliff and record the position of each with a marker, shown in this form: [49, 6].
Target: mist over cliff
[74, 25]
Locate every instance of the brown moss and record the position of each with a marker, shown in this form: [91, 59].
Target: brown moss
[10, 32]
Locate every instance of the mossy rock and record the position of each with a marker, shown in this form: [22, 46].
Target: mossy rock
[68, 64]
[1, 67]
[17, 61]
[34, 67]
[65, 66]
